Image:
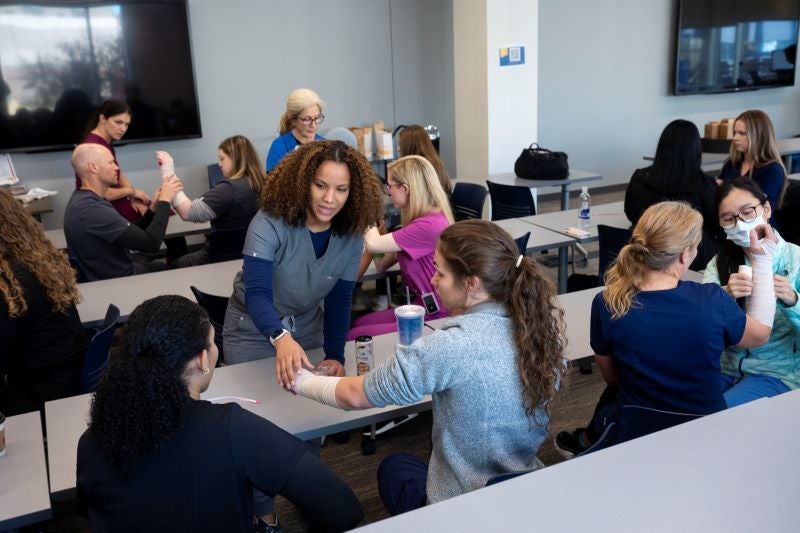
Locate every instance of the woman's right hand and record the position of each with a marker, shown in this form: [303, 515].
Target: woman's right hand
[289, 359]
[739, 285]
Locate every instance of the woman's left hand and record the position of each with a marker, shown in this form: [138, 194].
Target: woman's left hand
[784, 291]
[330, 367]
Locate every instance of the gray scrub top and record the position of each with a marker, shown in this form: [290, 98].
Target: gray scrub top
[300, 281]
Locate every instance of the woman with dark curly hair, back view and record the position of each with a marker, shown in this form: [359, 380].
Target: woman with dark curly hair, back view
[42, 342]
[157, 458]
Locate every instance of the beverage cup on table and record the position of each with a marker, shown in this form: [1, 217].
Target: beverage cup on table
[410, 321]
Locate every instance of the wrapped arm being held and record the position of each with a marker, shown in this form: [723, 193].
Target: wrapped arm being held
[761, 304]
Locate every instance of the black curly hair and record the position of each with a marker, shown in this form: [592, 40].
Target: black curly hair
[288, 190]
[143, 398]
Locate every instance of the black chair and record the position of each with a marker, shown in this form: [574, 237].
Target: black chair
[510, 201]
[215, 306]
[98, 354]
[636, 421]
[226, 244]
[214, 175]
[468, 199]
[522, 242]
[610, 242]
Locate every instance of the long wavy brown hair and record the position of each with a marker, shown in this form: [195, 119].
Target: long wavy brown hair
[763, 147]
[288, 190]
[484, 250]
[414, 140]
[246, 163]
[22, 241]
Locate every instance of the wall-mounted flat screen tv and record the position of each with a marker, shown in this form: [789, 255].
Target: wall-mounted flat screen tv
[60, 59]
[735, 45]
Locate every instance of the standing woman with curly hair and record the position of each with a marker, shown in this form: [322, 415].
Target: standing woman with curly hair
[301, 259]
[158, 458]
[492, 372]
[231, 203]
[42, 342]
[755, 155]
[298, 125]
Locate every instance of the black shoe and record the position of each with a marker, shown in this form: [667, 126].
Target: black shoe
[267, 527]
[570, 444]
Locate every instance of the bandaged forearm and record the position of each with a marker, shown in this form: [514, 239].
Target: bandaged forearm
[761, 304]
[319, 388]
[179, 198]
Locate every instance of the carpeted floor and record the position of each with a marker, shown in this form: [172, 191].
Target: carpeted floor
[572, 408]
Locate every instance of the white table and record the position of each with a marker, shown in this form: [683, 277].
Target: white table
[67, 419]
[575, 176]
[541, 239]
[736, 470]
[24, 494]
[176, 227]
[126, 293]
[612, 214]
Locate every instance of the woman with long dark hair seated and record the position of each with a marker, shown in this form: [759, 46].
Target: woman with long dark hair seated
[676, 175]
[774, 368]
[157, 458]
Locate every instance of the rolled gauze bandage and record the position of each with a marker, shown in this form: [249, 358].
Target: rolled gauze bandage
[746, 270]
[167, 166]
[319, 388]
[761, 304]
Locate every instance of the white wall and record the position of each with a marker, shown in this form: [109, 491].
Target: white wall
[248, 55]
[512, 90]
[604, 83]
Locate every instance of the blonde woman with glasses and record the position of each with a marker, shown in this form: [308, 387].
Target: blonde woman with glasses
[414, 187]
[298, 126]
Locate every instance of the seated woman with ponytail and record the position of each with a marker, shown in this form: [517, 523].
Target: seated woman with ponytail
[158, 458]
[492, 371]
[749, 374]
[657, 339]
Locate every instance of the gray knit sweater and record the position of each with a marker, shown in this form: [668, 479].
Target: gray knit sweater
[479, 422]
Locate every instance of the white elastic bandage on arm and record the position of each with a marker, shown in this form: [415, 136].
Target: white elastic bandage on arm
[319, 388]
[179, 199]
[761, 304]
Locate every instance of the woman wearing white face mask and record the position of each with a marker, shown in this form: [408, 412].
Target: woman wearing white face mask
[773, 368]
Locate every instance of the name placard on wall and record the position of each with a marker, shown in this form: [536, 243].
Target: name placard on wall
[512, 55]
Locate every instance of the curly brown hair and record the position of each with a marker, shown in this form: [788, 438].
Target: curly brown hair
[22, 241]
[482, 249]
[288, 190]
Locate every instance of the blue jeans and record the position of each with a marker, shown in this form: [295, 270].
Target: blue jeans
[738, 391]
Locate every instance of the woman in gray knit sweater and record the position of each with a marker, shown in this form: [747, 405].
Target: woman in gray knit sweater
[492, 371]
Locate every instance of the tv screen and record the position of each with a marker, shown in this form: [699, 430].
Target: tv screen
[60, 59]
[734, 45]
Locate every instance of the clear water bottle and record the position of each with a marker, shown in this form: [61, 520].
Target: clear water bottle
[586, 204]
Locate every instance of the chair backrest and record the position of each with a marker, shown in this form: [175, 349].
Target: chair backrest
[215, 306]
[510, 201]
[636, 421]
[99, 352]
[226, 244]
[522, 242]
[610, 242]
[468, 200]
[214, 174]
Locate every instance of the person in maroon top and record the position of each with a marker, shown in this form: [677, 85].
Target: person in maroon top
[105, 126]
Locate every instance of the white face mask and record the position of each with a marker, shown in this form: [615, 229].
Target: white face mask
[740, 234]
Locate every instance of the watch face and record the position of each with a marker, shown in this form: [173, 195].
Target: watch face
[275, 333]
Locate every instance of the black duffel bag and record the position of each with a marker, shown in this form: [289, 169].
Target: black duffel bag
[535, 163]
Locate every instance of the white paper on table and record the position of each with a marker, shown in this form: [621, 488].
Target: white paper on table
[35, 194]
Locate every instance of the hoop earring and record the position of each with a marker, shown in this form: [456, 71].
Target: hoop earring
[206, 371]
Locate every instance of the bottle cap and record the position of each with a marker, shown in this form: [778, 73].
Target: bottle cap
[584, 189]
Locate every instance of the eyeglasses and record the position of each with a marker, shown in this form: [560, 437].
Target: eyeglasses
[307, 121]
[387, 187]
[745, 214]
